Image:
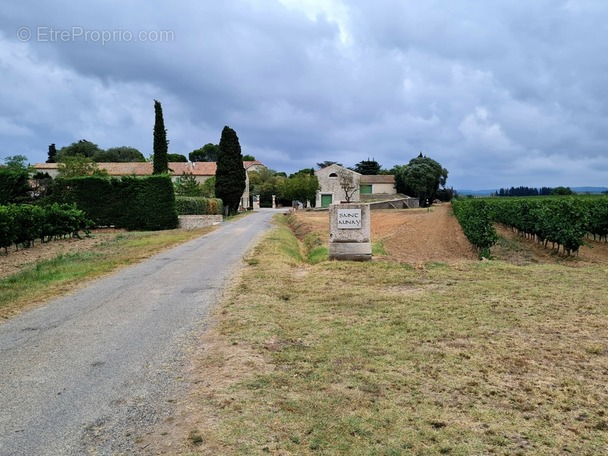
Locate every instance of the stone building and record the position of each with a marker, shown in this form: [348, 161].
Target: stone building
[331, 190]
[200, 170]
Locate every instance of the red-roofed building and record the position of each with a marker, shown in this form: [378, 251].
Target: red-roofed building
[200, 170]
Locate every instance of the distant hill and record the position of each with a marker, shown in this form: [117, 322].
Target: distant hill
[489, 192]
[590, 189]
[476, 192]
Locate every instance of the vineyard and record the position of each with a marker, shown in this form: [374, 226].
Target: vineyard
[21, 225]
[562, 221]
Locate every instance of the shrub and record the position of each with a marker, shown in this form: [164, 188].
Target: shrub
[189, 205]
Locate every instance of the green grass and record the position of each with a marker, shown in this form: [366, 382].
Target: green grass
[382, 358]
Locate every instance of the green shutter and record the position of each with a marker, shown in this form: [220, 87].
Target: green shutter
[365, 190]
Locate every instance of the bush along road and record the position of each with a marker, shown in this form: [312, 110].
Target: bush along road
[88, 373]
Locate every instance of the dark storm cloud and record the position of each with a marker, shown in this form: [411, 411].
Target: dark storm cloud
[501, 93]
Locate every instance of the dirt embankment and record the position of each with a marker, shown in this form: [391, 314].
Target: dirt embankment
[411, 236]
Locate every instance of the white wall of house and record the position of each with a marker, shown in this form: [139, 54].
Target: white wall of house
[388, 189]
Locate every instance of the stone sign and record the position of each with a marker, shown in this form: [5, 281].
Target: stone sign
[349, 232]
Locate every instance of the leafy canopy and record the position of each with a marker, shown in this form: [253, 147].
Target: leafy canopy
[78, 166]
[207, 153]
[368, 167]
[326, 163]
[82, 147]
[177, 158]
[420, 178]
[16, 162]
[121, 154]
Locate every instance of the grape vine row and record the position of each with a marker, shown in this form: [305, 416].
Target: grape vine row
[562, 221]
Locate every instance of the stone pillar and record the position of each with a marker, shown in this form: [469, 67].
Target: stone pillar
[274, 204]
[350, 232]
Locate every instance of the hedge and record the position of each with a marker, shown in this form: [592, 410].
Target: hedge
[14, 186]
[193, 205]
[134, 203]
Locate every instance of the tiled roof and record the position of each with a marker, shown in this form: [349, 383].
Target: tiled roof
[145, 168]
[379, 179]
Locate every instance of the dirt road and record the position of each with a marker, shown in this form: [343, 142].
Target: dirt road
[88, 373]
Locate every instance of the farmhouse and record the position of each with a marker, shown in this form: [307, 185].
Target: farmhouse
[331, 190]
[200, 170]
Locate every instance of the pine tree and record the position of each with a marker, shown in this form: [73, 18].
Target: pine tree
[230, 176]
[160, 148]
[52, 154]
[368, 167]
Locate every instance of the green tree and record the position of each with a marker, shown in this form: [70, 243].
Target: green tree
[207, 153]
[208, 188]
[326, 163]
[77, 166]
[305, 171]
[188, 186]
[52, 154]
[248, 157]
[83, 148]
[368, 167]
[266, 182]
[421, 178]
[121, 154]
[177, 158]
[16, 162]
[562, 191]
[230, 176]
[161, 145]
[301, 187]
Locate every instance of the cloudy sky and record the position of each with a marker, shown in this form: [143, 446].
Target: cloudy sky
[501, 92]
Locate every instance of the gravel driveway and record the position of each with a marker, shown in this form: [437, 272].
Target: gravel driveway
[90, 372]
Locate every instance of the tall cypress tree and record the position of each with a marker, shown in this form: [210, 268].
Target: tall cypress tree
[52, 154]
[160, 148]
[230, 176]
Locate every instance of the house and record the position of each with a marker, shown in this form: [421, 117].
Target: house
[381, 184]
[332, 191]
[200, 170]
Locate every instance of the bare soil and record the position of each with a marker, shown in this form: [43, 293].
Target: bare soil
[411, 236]
[520, 250]
[15, 260]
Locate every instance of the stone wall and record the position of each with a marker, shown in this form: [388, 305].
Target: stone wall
[191, 222]
[402, 203]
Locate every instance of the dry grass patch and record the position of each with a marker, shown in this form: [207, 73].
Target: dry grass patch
[35, 275]
[385, 358]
